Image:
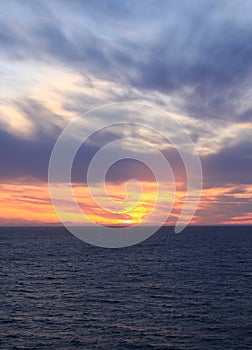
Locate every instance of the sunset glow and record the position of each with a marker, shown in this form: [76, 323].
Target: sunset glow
[30, 205]
[58, 64]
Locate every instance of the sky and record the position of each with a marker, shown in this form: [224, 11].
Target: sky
[61, 59]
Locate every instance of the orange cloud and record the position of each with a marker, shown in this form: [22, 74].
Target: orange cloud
[30, 204]
[26, 204]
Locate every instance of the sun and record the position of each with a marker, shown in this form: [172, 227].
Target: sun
[127, 221]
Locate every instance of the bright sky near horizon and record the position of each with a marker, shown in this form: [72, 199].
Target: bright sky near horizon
[192, 59]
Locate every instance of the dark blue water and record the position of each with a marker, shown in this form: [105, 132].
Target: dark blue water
[185, 291]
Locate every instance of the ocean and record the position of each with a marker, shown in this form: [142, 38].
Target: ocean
[174, 291]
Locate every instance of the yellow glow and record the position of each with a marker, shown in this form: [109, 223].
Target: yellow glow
[30, 204]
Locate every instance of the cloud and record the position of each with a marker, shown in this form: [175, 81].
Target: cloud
[21, 158]
[222, 205]
[232, 165]
[198, 54]
[7, 36]
[29, 158]
[246, 116]
[44, 121]
[193, 58]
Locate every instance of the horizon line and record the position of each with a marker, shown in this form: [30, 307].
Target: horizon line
[115, 226]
